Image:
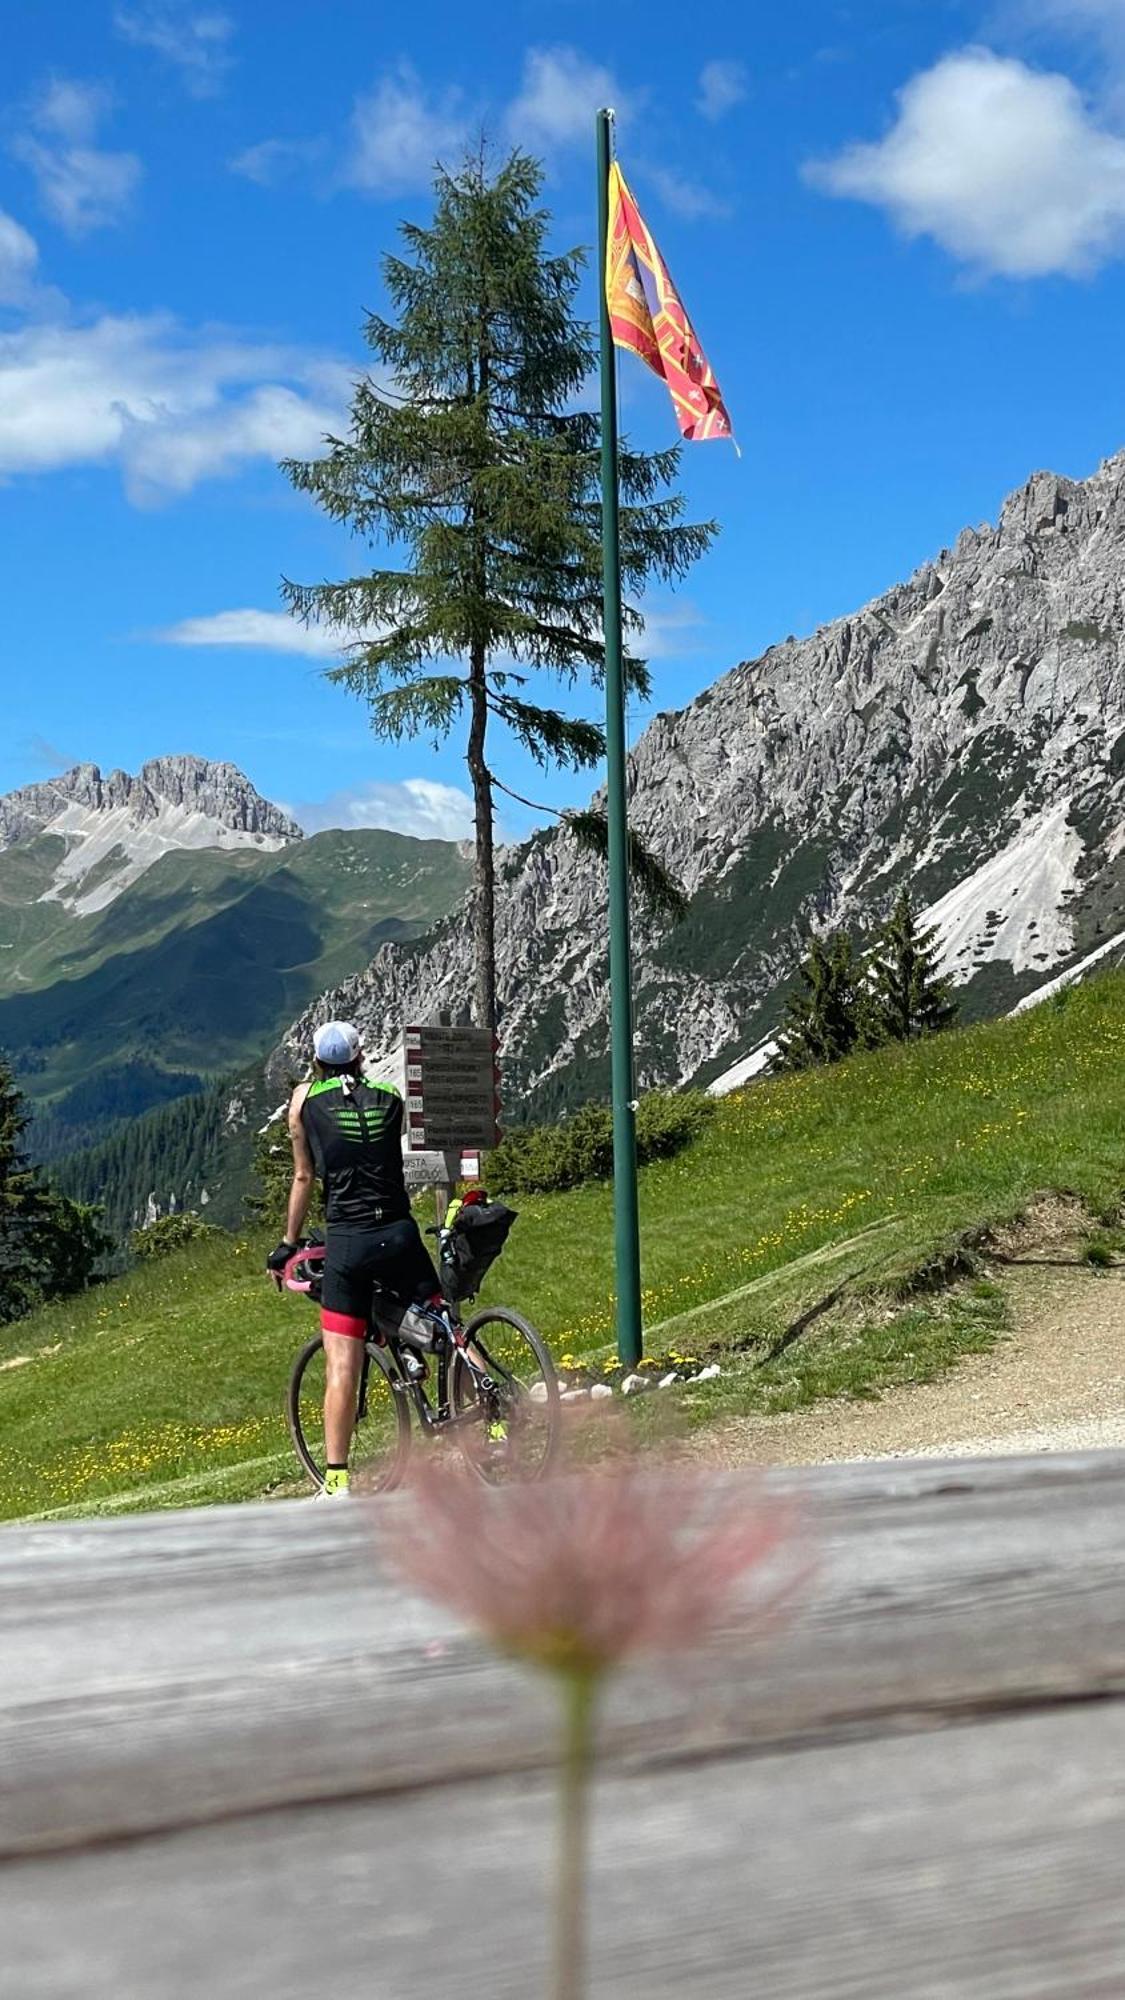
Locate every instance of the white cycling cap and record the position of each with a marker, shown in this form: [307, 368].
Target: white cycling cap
[337, 1042]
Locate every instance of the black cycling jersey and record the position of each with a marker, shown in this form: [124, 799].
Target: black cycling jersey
[354, 1130]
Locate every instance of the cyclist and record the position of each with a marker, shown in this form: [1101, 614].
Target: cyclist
[346, 1129]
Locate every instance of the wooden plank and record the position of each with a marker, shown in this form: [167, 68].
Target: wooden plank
[165, 1670]
[980, 1863]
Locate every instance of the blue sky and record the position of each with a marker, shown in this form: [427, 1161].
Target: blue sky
[899, 226]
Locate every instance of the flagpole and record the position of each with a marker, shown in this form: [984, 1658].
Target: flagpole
[626, 1228]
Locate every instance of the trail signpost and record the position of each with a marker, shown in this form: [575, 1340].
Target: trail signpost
[452, 1089]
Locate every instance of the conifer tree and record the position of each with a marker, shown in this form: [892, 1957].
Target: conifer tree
[466, 451]
[826, 1020]
[49, 1245]
[906, 996]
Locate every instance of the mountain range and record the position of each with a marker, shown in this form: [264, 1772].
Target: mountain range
[964, 734]
[158, 931]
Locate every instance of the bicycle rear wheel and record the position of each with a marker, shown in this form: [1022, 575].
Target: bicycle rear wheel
[517, 1436]
[381, 1438]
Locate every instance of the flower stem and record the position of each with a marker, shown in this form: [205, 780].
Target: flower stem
[580, 1691]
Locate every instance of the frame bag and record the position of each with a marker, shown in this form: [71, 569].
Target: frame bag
[471, 1245]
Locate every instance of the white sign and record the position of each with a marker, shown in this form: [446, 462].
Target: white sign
[423, 1170]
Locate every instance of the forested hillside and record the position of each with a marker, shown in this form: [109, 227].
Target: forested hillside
[194, 1153]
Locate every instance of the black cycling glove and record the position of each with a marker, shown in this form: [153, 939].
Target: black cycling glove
[279, 1258]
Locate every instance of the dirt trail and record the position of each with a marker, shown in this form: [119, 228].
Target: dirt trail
[1056, 1383]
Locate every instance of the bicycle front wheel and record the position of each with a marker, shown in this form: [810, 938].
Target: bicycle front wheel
[511, 1426]
[380, 1438]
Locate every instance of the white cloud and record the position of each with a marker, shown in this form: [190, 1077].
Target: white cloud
[197, 44]
[19, 259]
[685, 197]
[169, 406]
[559, 94]
[419, 806]
[272, 160]
[669, 630]
[722, 84]
[1003, 165]
[174, 453]
[83, 186]
[257, 631]
[399, 134]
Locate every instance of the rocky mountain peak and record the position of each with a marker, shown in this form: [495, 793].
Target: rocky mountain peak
[219, 791]
[118, 825]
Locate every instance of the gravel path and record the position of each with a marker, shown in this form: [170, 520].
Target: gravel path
[1057, 1383]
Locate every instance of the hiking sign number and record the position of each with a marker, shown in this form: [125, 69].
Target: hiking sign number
[452, 1089]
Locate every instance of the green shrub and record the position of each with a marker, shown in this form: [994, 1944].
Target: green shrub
[170, 1233]
[545, 1159]
[1099, 1253]
[668, 1119]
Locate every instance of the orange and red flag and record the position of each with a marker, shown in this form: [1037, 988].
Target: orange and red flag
[647, 316]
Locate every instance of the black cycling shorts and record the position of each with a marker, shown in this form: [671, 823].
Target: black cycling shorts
[355, 1259]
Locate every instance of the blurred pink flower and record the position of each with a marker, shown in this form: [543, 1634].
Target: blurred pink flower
[578, 1573]
[581, 1571]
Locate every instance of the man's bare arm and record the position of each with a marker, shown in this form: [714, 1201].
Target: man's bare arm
[304, 1172]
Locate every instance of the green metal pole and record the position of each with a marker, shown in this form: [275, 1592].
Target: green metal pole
[627, 1247]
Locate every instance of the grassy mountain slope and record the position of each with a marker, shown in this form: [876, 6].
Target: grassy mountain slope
[166, 1387]
[197, 966]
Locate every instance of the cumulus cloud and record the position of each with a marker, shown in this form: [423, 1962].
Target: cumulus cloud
[398, 133]
[1005, 166]
[257, 631]
[82, 185]
[196, 44]
[169, 406]
[559, 94]
[722, 84]
[420, 806]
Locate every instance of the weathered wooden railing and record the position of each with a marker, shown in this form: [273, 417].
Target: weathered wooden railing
[235, 1760]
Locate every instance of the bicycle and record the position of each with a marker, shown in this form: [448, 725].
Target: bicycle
[495, 1389]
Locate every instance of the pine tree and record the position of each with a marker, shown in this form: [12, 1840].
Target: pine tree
[466, 450]
[827, 1018]
[20, 1194]
[49, 1245]
[907, 997]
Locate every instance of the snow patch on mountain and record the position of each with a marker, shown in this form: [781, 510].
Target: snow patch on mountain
[122, 847]
[1073, 973]
[1013, 906]
[745, 1069]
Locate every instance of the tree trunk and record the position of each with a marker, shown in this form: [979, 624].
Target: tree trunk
[484, 881]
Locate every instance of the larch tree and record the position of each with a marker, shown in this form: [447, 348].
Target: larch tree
[468, 451]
